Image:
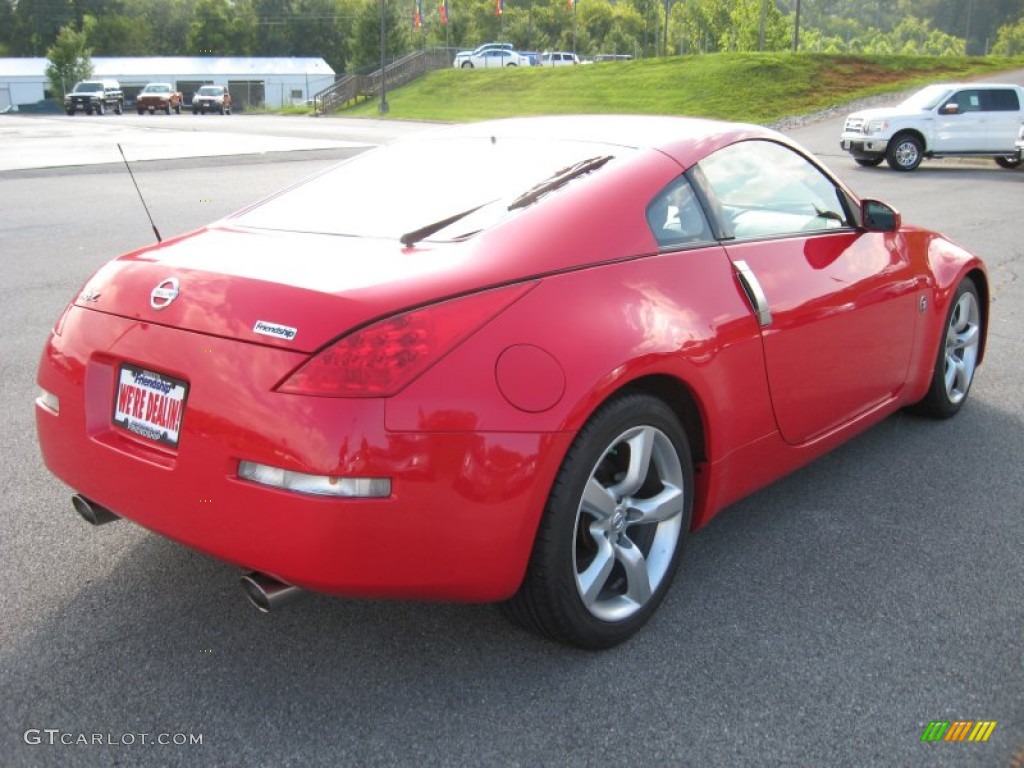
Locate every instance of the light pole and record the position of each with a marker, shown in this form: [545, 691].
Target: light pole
[383, 107]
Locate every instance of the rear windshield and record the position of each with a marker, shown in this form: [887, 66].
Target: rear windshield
[402, 188]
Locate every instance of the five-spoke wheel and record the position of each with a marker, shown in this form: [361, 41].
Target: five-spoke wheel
[958, 354]
[613, 529]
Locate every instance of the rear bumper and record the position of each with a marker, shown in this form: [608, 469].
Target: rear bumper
[459, 523]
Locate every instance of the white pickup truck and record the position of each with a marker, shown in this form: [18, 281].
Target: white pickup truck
[944, 120]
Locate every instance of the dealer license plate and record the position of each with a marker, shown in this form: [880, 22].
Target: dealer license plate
[150, 404]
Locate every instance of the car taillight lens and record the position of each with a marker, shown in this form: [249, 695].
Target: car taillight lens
[382, 358]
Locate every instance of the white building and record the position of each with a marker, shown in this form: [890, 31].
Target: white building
[271, 81]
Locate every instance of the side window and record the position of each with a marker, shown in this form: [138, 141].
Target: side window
[966, 101]
[764, 189]
[1000, 100]
[675, 216]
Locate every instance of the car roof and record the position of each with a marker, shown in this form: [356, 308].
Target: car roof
[974, 85]
[685, 139]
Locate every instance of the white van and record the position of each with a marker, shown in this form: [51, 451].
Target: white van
[558, 59]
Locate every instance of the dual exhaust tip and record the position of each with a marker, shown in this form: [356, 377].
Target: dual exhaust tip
[265, 592]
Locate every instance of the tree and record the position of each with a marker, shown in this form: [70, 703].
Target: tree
[321, 28]
[117, 34]
[220, 28]
[6, 27]
[1010, 40]
[69, 61]
[366, 40]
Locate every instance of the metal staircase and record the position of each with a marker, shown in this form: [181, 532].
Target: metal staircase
[401, 71]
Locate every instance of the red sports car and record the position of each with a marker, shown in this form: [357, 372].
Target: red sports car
[515, 361]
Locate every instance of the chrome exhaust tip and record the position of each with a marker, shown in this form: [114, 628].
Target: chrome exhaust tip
[267, 593]
[92, 512]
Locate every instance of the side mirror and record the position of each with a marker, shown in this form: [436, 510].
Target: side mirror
[952, 108]
[879, 217]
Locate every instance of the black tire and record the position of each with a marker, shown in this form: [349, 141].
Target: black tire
[904, 153]
[221, 110]
[467, 65]
[71, 112]
[598, 497]
[167, 108]
[868, 162]
[140, 110]
[957, 359]
[1007, 161]
[101, 108]
[177, 109]
[119, 108]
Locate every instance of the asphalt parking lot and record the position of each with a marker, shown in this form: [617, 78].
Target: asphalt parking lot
[824, 621]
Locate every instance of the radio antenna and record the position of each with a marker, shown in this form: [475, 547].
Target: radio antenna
[155, 231]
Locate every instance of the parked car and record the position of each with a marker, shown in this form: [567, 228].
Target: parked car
[945, 120]
[159, 96]
[496, 57]
[462, 56]
[558, 59]
[95, 96]
[211, 98]
[512, 361]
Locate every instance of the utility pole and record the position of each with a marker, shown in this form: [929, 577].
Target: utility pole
[383, 107]
[796, 28]
[764, 18]
[664, 46]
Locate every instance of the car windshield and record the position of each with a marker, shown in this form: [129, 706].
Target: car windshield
[408, 187]
[88, 87]
[210, 90]
[157, 89]
[927, 98]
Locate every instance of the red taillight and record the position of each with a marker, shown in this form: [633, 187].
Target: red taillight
[380, 359]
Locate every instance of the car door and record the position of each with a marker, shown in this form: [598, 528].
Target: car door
[1002, 110]
[960, 123]
[836, 304]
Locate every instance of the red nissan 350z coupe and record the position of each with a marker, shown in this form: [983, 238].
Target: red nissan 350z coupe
[514, 361]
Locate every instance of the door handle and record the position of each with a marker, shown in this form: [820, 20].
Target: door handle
[755, 294]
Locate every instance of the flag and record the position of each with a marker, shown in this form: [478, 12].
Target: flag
[444, 12]
[419, 13]
[416, 21]
[499, 7]
[572, 4]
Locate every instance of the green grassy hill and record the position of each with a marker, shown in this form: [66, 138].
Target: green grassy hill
[753, 87]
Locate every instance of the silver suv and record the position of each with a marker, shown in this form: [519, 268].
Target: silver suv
[944, 120]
